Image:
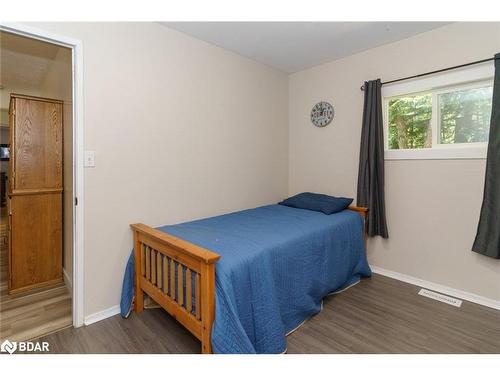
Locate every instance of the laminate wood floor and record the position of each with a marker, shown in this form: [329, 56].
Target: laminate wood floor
[379, 315]
[30, 315]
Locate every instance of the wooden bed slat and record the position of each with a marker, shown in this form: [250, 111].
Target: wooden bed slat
[143, 259]
[159, 276]
[165, 275]
[172, 279]
[189, 294]
[197, 296]
[148, 261]
[180, 284]
[153, 266]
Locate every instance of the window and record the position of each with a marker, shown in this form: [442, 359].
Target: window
[436, 118]
[464, 114]
[410, 121]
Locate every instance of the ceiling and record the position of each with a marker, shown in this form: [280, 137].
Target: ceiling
[293, 46]
[24, 62]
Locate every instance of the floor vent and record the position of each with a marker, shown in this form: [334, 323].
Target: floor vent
[441, 297]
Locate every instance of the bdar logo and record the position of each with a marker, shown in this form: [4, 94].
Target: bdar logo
[24, 346]
[9, 347]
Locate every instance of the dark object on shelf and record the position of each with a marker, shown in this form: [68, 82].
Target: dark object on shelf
[3, 184]
[4, 152]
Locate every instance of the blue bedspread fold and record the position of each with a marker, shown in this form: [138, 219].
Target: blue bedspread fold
[277, 264]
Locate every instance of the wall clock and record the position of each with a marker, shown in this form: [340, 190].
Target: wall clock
[322, 114]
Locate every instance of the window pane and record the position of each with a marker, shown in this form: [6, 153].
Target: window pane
[465, 115]
[409, 121]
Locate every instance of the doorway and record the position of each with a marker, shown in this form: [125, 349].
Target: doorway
[37, 291]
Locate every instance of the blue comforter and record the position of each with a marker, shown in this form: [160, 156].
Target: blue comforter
[277, 263]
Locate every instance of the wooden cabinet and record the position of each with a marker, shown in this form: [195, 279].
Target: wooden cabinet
[35, 192]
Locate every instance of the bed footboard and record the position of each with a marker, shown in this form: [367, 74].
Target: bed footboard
[179, 276]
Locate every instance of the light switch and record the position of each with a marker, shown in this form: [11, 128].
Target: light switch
[89, 159]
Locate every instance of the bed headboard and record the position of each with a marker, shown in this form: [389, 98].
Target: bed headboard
[363, 211]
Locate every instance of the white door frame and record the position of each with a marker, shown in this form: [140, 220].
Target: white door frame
[78, 152]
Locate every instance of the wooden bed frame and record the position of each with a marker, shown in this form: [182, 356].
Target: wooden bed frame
[160, 259]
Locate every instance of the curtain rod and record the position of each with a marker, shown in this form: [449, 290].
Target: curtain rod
[435, 71]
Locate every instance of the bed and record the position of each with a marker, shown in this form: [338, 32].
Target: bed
[241, 282]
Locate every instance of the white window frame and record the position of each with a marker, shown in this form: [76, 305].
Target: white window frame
[471, 77]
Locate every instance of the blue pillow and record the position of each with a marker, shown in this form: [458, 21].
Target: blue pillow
[317, 202]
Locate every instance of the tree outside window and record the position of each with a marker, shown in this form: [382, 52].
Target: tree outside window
[461, 115]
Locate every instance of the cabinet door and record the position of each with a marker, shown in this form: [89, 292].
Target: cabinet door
[36, 240]
[37, 145]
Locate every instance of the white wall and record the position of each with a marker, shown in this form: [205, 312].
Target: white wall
[432, 205]
[181, 130]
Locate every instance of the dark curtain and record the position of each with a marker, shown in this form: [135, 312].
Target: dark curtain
[371, 161]
[487, 240]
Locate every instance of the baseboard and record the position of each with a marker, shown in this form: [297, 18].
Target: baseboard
[68, 282]
[471, 297]
[101, 315]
